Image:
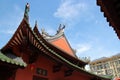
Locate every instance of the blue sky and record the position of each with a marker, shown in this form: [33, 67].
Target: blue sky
[87, 30]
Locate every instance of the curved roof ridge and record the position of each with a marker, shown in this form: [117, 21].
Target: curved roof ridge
[15, 33]
[59, 33]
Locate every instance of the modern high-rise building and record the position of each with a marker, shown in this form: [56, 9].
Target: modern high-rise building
[106, 66]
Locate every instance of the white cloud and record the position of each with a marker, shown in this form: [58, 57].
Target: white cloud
[70, 10]
[81, 48]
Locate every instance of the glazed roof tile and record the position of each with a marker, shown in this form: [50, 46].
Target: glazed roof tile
[16, 61]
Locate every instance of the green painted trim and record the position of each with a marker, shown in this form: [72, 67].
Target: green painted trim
[6, 59]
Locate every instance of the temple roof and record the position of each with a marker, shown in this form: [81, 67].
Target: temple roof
[111, 10]
[59, 40]
[16, 60]
[57, 45]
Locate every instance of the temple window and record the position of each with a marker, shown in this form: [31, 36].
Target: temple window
[41, 71]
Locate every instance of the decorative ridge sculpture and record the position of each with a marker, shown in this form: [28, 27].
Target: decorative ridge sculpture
[27, 9]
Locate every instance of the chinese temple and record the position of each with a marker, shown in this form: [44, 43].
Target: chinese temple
[34, 55]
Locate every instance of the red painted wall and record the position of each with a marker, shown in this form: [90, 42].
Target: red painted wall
[30, 70]
[47, 64]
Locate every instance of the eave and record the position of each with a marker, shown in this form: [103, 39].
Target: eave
[8, 60]
[112, 13]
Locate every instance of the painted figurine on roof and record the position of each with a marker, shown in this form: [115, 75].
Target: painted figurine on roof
[60, 28]
[27, 9]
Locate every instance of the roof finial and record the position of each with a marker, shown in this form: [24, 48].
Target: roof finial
[27, 9]
[36, 24]
[60, 29]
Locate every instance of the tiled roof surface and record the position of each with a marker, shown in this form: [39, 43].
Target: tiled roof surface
[16, 61]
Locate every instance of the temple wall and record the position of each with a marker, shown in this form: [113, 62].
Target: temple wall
[46, 64]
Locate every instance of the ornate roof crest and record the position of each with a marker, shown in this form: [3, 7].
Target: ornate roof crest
[27, 9]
